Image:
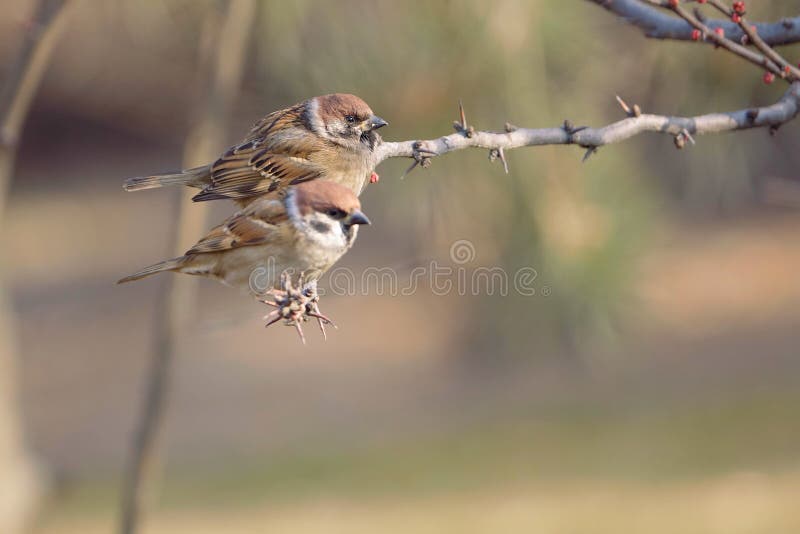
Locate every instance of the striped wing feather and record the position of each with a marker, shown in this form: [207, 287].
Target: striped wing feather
[273, 157]
[261, 222]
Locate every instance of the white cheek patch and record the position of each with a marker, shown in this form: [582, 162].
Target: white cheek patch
[314, 120]
[326, 232]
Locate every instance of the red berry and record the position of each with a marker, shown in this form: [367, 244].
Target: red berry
[787, 69]
[769, 77]
[701, 1]
[738, 7]
[673, 3]
[695, 35]
[373, 178]
[736, 18]
[720, 31]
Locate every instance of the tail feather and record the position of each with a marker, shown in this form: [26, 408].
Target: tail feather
[198, 177]
[160, 267]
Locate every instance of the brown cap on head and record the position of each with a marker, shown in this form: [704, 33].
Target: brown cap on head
[338, 105]
[323, 196]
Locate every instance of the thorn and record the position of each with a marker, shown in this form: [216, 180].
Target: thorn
[589, 151]
[409, 169]
[628, 111]
[634, 111]
[571, 129]
[510, 127]
[461, 125]
[422, 157]
[502, 155]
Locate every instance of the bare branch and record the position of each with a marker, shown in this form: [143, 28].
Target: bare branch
[768, 58]
[658, 25]
[771, 117]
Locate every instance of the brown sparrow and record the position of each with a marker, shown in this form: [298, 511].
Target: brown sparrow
[273, 240]
[330, 137]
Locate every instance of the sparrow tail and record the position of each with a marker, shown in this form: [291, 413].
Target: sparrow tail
[198, 177]
[160, 267]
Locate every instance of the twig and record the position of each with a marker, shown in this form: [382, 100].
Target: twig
[767, 59]
[772, 116]
[658, 25]
[175, 302]
[787, 70]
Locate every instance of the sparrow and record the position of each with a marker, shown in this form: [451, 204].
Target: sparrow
[330, 137]
[272, 241]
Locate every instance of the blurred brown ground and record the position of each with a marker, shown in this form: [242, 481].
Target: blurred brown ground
[654, 389]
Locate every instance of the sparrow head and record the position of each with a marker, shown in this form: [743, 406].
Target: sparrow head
[325, 212]
[344, 119]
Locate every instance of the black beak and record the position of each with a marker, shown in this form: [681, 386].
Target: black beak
[377, 122]
[357, 218]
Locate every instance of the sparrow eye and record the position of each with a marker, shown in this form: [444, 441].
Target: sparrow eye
[336, 213]
[351, 119]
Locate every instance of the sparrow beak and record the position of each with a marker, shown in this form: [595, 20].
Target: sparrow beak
[356, 218]
[376, 122]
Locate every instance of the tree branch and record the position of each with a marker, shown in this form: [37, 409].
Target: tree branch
[658, 25]
[681, 128]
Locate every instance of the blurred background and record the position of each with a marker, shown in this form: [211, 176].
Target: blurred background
[651, 383]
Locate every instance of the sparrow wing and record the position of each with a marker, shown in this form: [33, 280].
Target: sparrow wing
[273, 157]
[261, 222]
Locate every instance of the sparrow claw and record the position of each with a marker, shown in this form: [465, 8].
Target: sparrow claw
[295, 304]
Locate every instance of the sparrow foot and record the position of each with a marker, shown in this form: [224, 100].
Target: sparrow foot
[295, 305]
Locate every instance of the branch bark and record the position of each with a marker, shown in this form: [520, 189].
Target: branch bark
[681, 128]
[659, 25]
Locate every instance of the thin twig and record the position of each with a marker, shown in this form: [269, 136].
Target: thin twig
[787, 70]
[658, 25]
[767, 58]
[721, 40]
[786, 109]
